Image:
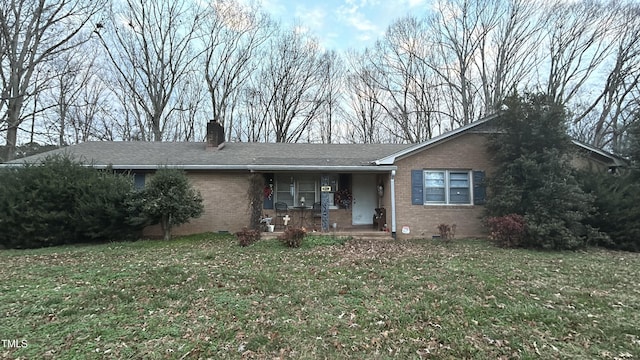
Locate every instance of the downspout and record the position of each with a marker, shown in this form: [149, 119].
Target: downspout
[393, 203]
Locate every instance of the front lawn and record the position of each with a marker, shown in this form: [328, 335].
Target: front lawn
[206, 297]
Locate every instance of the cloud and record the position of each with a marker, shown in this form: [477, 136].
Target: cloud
[274, 7]
[341, 23]
[416, 3]
[354, 14]
[361, 23]
[312, 18]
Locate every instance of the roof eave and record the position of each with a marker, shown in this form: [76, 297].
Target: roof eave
[323, 168]
[391, 159]
[148, 167]
[618, 161]
[174, 166]
[260, 168]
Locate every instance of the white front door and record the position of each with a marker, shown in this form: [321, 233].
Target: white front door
[364, 198]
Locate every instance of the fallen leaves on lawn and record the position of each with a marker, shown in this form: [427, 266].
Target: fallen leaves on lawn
[362, 299]
[357, 251]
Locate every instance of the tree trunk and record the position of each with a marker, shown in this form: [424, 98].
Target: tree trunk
[165, 224]
[255, 195]
[12, 135]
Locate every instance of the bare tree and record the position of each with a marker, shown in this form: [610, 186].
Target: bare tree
[408, 85]
[509, 52]
[364, 119]
[255, 127]
[577, 45]
[607, 115]
[90, 115]
[32, 32]
[151, 47]
[232, 35]
[127, 120]
[189, 124]
[333, 73]
[290, 90]
[72, 74]
[458, 30]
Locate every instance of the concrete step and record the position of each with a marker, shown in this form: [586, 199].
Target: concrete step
[359, 234]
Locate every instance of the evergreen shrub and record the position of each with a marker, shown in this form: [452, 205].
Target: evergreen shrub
[61, 201]
[534, 177]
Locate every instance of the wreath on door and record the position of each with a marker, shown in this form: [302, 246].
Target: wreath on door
[268, 192]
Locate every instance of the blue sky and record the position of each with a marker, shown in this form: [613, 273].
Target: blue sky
[343, 24]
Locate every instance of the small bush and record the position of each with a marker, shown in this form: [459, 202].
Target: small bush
[507, 231]
[447, 232]
[247, 236]
[169, 199]
[292, 237]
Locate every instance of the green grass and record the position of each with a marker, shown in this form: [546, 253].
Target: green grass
[206, 297]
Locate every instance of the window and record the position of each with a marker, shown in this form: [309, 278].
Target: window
[306, 190]
[285, 188]
[138, 181]
[434, 187]
[459, 188]
[447, 187]
[290, 189]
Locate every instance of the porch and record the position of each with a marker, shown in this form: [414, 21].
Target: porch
[353, 231]
[353, 201]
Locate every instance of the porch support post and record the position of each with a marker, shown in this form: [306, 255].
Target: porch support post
[324, 203]
[393, 203]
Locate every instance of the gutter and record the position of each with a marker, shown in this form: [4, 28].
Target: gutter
[348, 168]
[257, 168]
[393, 204]
[252, 168]
[181, 167]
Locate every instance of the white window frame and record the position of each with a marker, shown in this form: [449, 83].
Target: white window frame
[447, 186]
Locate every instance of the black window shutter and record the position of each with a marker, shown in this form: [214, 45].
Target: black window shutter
[417, 188]
[479, 188]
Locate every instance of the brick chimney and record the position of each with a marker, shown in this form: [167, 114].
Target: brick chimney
[215, 135]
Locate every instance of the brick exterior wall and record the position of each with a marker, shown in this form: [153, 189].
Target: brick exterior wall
[226, 208]
[225, 204]
[465, 152]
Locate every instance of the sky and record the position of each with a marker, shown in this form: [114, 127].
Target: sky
[344, 24]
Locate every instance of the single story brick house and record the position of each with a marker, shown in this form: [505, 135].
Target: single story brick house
[417, 186]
